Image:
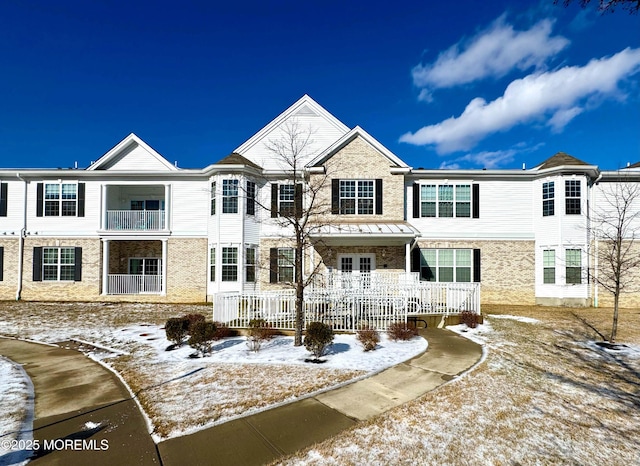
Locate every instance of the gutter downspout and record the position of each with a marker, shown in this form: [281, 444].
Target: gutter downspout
[595, 259]
[23, 234]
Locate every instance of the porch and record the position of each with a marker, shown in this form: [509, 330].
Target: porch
[134, 208]
[131, 267]
[347, 301]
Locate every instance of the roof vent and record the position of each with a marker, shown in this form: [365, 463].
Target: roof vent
[306, 110]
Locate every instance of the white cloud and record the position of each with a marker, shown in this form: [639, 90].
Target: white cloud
[492, 53]
[557, 95]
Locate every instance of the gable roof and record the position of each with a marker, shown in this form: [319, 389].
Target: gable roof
[131, 153]
[304, 107]
[635, 165]
[350, 136]
[236, 159]
[558, 160]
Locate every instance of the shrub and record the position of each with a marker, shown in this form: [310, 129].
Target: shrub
[470, 319]
[259, 331]
[202, 336]
[318, 337]
[368, 338]
[401, 331]
[176, 329]
[192, 319]
[222, 331]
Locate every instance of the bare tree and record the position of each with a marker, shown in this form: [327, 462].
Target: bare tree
[306, 209]
[616, 227]
[607, 6]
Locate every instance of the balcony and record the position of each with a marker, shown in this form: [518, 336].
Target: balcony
[135, 220]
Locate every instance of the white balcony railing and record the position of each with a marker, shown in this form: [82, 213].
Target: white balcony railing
[134, 284]
[135, 220]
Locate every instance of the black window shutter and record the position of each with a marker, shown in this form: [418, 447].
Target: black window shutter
[274, 200]
[416, 200]
[298, 200]
[415, 259]
[3, 199]
[251, 198]
[80, 199]
[1, 263]
[335, 196]
[273, 265]
[37, 264]
[476, 200]
[39, 199]
[476, 265]
[78, 270]
[378, 196]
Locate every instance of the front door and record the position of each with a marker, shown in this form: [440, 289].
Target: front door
[147, 273]
[361, 263]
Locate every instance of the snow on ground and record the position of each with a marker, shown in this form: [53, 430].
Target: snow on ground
[527, 320]
[16, 406]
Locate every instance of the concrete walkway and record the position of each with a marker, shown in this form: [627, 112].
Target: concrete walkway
[72, 390]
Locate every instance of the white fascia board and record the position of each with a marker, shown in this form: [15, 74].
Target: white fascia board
[130, 139]
[350, 136]
[277, 121]
[587, 170]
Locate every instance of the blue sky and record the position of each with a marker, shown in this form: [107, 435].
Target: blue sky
[462, 84]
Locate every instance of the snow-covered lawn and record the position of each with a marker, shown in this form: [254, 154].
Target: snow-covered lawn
[545, 394]
[16, 406]
[182, 394]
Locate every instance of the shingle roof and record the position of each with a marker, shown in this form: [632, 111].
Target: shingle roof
[635, 165]
[236, 159]
[560, 159]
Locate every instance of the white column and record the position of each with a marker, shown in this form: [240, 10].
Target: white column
[164, 267]
[103, 217]
[407, 257]
[167, 203]
[105, 266]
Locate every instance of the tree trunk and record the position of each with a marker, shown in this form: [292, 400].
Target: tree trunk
[614, 327]
[299, 282]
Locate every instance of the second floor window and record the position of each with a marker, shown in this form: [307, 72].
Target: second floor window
[445, 200]
[356, 196]
[572, 197]
[213, 198]
[548, 199]
[286, 199]
[251, 198]
[60, 200]
[229, 196]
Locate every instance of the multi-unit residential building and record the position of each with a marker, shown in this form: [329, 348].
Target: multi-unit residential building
[134, 227]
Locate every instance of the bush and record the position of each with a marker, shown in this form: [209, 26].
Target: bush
[318, 337]
[259, 331]
[222, 331]
[470, 319]
[368, 338]
[202, 336]
[192, 319]
[401, 331]
[176, 329]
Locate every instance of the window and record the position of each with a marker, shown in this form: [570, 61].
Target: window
[286, 199]
[229, 196]
[548, 203]
[286, 264]
[213, 198]
[212, 267]
[58, 264]
[229, 264]
[445, 200]
[572, 197]
[60, 200]
[250, 265]
[573, 260]
[251, 198]
[445, 265]
[356, 196]
[549, 266]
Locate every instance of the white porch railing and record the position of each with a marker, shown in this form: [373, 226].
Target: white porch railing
[348, 303]
[135, 220]
[134, 284]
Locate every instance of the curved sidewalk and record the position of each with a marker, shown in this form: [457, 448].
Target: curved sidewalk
[83, 413]
[74, 393]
